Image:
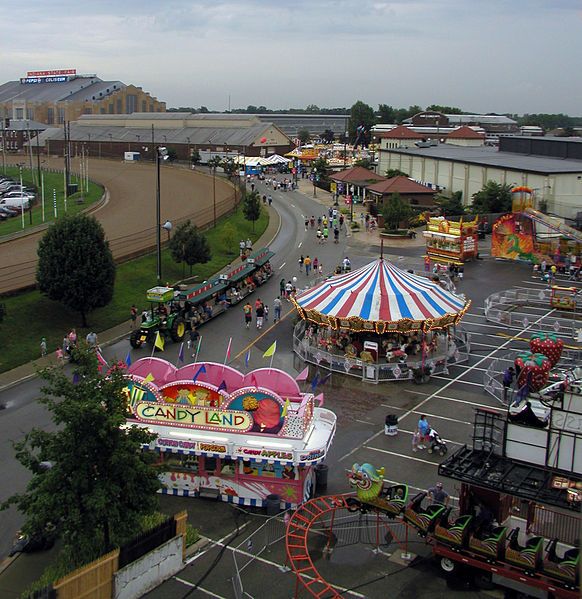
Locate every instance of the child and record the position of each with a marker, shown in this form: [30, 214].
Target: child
[43, 347]
[266, 308]
[60, 356]
[415, 441]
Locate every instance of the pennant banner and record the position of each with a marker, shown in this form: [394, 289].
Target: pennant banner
[271, 351]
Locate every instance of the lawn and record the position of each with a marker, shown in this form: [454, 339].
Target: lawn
[30, 316]
[53, 185]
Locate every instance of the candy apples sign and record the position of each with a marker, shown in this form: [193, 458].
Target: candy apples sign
[547, 344]
[533, 369]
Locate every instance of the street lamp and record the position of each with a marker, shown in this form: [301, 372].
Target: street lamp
[189, 157]
[161, 155]
[314, 181]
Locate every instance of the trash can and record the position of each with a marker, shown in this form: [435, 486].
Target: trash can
[391, 425]
[321, 471]
[273, 504]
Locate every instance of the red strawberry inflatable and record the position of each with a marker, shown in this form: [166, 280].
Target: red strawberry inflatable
[548, 344]
[536, 364]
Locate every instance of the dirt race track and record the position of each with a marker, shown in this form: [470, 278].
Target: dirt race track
[129, 215]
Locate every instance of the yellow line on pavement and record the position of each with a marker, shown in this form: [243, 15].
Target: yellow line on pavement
[263, 334]
[508, 336]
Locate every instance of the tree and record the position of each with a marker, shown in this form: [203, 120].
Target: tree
[312, 109]
[386, 114]
[172, 154]
[328, 136]
[304, 136]
[361, 115]
[229, 166]
[321, 169]
[75, 264]
[444, 109]
[493, 198]
[252, 206]
[188, 246]
[450, 205]
[195, 157]
[394, 172]
[395, 211]
[229, 239]
[365, 163]
[90, 479]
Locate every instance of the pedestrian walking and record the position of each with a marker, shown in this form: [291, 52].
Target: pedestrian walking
[248, 312]
[133, 316]
[325, 233]
[43, 347]
[336, 235]
[315, 265]
[341, 221]
[249, 244]
[312, 222]
[306, 224]
[266, 309]
[260, 314]
[508, 376]
[282, 287]
[415, 441]
[300, 261]
[438, 495]
[320, 268]
[270, 200]
[242, 247]
[307, 263]
[319, 221]
[91, 340]
[423, 429]
[288, 289]
[319, 235]
[277, 309]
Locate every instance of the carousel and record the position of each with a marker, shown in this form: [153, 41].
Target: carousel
[381, 323]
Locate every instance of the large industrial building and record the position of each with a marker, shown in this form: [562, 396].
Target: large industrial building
[53, 97]
[218, 134]
[551, 167]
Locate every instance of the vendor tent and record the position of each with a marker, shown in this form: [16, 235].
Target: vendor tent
[381, 297]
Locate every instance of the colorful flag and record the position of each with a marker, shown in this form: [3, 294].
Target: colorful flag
[247, 358]
[222, 386]
[285, 408]
[314, 382]
[181, 353]
[159, 342]
[149, 378]
[302, 376]
[101, 360]
[227, 357]
[271, 351]
[128, 358]
[319, 399]
[325, 379]
[201, 370]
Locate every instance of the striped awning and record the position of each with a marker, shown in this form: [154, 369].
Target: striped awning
[381, 297]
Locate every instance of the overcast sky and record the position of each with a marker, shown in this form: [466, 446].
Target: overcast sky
[518, 56]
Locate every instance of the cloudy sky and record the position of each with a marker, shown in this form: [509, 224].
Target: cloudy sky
[518, 56]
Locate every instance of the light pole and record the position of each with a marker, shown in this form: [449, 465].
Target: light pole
[161, 154]
[189, 157]
[314, 181]
[214, 193]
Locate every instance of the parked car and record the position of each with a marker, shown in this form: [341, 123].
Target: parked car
[7, 211]
[40, 541]
[19, 192]
[18, 202]
[15, 187]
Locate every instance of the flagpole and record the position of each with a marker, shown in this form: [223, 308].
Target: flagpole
[198, 348]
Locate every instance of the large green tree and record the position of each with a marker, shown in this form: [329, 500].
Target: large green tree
[395, 211]
[395, 172]
[304, 136]
[361, 115]
[75, 264]
[189, 246]
[450, 205]
[252, 206]
[98, 483]
[493, 198]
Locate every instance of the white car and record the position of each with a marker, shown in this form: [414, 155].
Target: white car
[18, 194]
[18, 202]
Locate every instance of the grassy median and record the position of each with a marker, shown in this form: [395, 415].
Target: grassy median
[31, 316]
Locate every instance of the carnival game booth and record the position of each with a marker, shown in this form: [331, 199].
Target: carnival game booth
[381, 323]
[245, 439]
[451, 242]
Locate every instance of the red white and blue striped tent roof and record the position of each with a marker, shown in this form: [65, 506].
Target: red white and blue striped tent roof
[381, 293]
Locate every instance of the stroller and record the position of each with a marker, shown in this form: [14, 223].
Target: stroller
[436, 443]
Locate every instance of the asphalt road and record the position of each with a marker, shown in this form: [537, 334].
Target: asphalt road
[448, 401]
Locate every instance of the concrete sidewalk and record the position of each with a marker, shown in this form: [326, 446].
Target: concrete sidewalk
[11, 378]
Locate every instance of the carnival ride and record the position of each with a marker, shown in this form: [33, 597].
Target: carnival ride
[173, 312]
[351, 320]
[451, 242]
[518, 518]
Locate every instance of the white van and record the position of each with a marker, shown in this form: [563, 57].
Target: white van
[18, 202]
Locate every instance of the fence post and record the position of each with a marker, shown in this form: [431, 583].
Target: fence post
[181, 519]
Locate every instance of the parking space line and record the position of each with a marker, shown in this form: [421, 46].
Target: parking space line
[384, 405]
[401, 455]
[444, 378]
[202, 590]
[365, 443]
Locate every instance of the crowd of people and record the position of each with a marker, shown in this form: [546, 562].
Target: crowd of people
[70, 343]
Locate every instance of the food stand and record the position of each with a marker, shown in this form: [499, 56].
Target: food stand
[220, 433]
[451, 242]
[563, 298]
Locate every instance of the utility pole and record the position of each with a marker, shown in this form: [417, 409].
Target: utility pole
[4, 142]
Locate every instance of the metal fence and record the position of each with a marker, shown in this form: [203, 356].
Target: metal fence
[434, 363]
[147, 542]
[509, 308]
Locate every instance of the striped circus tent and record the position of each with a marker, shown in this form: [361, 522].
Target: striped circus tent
[381, 298]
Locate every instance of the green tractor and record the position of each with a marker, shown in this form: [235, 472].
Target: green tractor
[169, 322]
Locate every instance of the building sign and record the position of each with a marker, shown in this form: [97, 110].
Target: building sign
[192, 417]
[53, 73]
[316, 454]
[190, 445]
[60, 79]
[469, 245]
[269, 454]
